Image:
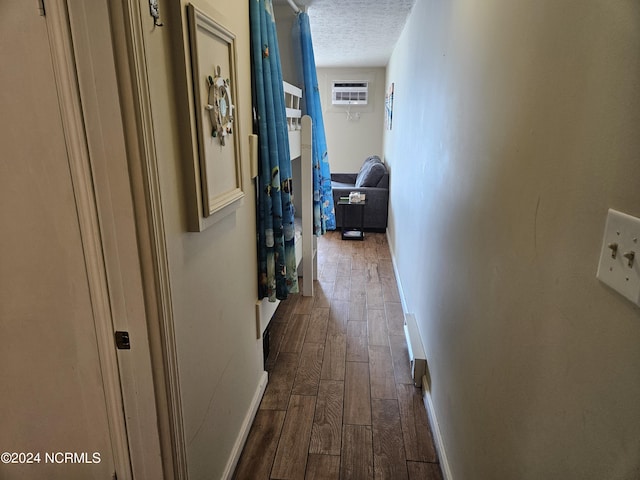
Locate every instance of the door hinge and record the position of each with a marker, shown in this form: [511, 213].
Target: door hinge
[122, 341]
[41, 8]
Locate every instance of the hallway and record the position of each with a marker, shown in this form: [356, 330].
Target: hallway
[340, 401]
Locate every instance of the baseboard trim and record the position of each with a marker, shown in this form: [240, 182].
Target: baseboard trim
[246, 427]
[403, 300]
[435, 430]
[426, 394]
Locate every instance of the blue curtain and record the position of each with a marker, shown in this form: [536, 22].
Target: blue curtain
[276, 251]
[323, 211]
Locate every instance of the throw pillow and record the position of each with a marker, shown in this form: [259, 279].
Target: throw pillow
[371, 172]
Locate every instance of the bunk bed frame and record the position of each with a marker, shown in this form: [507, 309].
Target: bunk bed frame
[306, 247]
[300, 151]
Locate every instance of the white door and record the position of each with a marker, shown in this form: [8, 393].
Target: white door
[53, 412]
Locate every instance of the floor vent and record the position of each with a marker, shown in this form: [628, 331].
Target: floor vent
[417, 356]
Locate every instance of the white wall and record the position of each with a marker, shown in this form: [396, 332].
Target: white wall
[515, 129]
[351, 139]
[214, 272]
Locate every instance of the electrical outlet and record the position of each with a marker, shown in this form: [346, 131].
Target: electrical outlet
[619, 265]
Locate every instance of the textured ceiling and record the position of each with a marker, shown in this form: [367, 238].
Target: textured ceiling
[355, 33]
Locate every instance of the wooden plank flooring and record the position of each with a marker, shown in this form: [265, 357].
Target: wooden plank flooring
[326, 436]
[357, 394]
[340, 403]
[293, 448]
[356, 461]
[388, 444]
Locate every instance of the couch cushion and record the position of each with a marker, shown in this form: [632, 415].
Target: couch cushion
[371, 172]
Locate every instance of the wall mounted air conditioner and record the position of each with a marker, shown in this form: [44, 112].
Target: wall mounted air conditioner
[349, 92]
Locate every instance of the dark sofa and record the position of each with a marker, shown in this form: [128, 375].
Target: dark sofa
[372, 180]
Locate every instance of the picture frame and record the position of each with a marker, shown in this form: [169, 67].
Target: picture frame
[388, 107]
[214, 82]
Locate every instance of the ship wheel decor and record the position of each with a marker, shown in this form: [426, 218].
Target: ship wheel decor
[214, 173]
[220, 106]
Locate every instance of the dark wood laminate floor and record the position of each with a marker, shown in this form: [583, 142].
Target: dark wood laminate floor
[340, 403]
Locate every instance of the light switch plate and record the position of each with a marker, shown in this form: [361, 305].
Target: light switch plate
[621, 237]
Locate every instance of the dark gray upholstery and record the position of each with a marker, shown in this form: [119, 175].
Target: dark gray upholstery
[373, 172]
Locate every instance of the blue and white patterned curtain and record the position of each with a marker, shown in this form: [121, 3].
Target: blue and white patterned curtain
[323, 211]
[276, 250]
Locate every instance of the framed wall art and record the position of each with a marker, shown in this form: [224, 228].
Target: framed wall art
[214, 77]
[388, 108]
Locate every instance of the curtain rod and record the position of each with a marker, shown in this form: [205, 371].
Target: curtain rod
[294, 6]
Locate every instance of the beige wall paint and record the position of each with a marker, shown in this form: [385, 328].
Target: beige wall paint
[68, 334]
[354, 137]
[55, 380]
[515, 129]
[212, 273]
